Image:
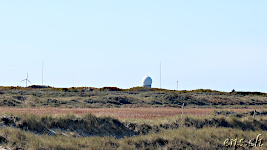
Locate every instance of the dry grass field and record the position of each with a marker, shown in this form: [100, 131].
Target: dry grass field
[45, 118]
[121, 113]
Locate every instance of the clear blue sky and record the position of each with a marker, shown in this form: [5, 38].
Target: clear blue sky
[209, 44]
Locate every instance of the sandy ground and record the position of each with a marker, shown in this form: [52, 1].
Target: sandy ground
[141, 113]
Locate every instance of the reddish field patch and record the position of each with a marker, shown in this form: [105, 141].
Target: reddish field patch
[141, 113]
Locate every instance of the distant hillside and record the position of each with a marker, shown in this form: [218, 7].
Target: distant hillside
[86, 97]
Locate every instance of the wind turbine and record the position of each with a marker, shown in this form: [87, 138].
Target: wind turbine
[26, 80]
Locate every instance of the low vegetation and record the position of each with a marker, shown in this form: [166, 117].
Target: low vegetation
[42, 117]
[88, 131]
[38, 96]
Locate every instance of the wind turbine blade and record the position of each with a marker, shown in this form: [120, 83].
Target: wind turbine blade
[29, 81]
[27, 75]
[23, 80]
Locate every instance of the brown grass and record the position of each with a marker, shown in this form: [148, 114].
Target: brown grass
[121, 113]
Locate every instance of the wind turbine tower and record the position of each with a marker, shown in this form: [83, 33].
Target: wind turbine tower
[26, 80]
[43, 73]
[160, 75]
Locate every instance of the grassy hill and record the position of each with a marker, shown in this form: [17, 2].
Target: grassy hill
[90, 132]
[82, 97]
[218, 129]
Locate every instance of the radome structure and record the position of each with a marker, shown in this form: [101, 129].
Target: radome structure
[147, 81]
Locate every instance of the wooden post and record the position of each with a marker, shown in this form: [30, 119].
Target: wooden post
[254, 113]
[182, 110]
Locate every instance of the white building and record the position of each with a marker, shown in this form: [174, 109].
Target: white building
[147, 81]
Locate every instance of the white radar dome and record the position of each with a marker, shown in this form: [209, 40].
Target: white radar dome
[147, 81]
